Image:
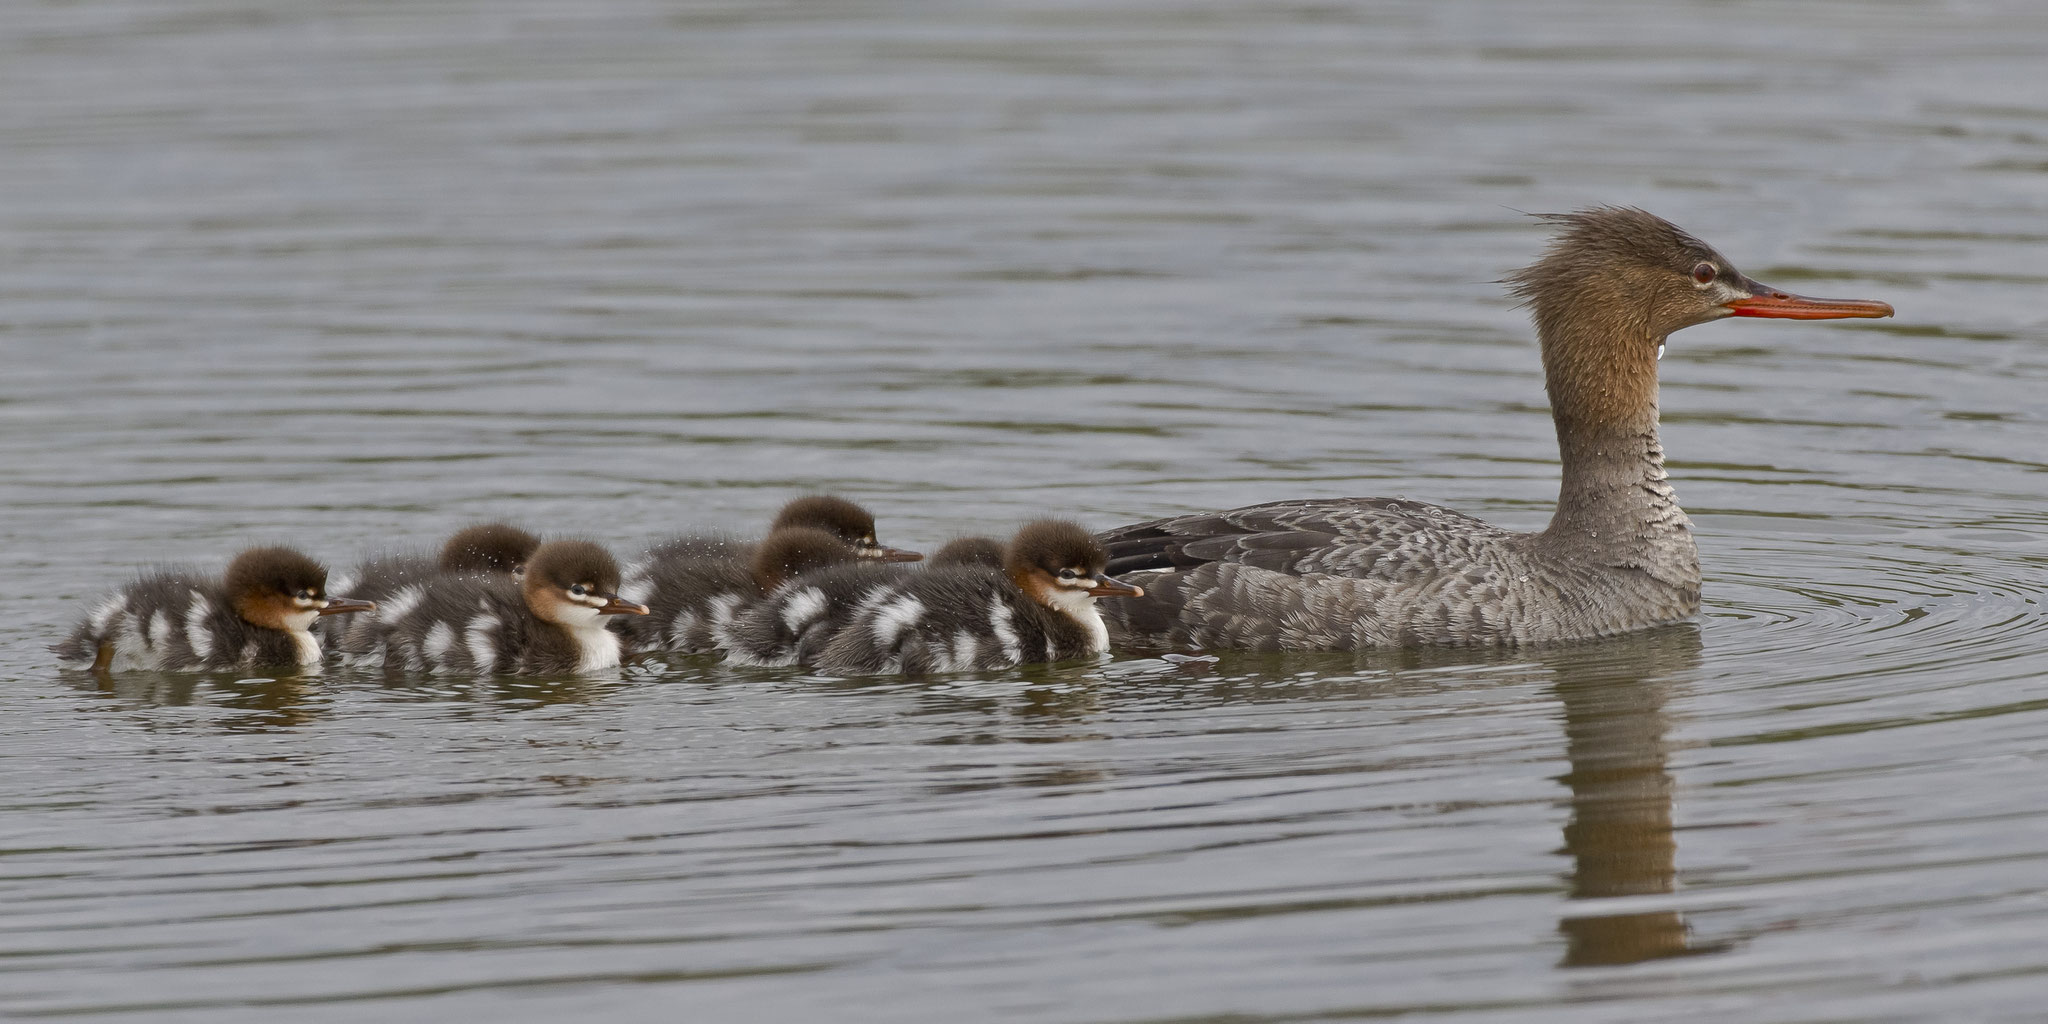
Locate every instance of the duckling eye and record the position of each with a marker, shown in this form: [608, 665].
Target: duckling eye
[305, 595]
[579, 590]
[1066, 574]
[1704, 273]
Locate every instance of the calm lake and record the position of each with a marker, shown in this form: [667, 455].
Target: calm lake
[353, 275]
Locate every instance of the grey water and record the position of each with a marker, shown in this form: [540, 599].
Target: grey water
[353, 275]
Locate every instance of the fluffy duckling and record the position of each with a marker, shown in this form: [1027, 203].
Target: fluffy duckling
[1039, 607]
[551, 622]
[395, 582]
[257, 614]
[793, 623]
[709, 578]
[835, 515]
[693, 600]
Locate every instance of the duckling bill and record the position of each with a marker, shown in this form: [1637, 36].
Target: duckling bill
[257, 614]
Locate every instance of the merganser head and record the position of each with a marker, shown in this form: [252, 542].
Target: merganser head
[279, 588]
[794, 550]
[981, 551]
[843, 519]
[1615, 282]
[1645, 277]
[573, 583]
[489, 548]
[1061, 565]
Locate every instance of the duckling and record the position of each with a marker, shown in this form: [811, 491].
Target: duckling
[983, 551]
[1039, 607]
[255, 615]
[834, 515]
[794, 622]
[395, 581]
[693, 600]
[550, 622]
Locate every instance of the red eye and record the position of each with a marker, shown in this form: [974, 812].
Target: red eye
[1704, 273]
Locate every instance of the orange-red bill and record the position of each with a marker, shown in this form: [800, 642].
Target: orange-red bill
[1767, 301]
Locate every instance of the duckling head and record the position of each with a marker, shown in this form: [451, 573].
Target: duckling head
[280, 588]
[1061, 565]
[843, 519]
[574, 583]
[977, 551]
[794, 550]
[489, 548]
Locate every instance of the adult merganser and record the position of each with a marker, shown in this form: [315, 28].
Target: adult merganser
[396, 582]
[255, 615]
[1039, 607]
[551, 622]
[691, 601]
[1346, 573]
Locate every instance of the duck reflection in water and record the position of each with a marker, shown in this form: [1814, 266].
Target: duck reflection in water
[1619, 836]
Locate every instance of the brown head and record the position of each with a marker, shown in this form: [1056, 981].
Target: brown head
[794, 550]
[1614, 283]
[573, 583]
[488, 548]
[843, 519]
[279, 588]
[1061, 565]
[980, 551]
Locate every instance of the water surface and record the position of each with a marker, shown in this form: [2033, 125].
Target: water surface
[354, 275]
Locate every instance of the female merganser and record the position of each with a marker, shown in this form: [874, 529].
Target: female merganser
[1346, 573]
[691, 601]
[551, 622]
[396, 582]
[1039, 607]
[255, 615]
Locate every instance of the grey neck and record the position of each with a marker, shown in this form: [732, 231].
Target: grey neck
[1615, 505]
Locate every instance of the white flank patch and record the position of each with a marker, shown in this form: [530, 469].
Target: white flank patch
[129, 650]
[440, 639]
[723, 608]
[394, 608]
[965, 646]
[157, 631]
[893, 618]
[999, 623]
[636, 589]
[341, 587]
[802, 607]
[196, 615]
[103, 617]
[1078, 606]
[478, 639]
